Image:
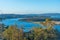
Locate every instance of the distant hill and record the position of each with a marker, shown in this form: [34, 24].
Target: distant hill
[9, 16]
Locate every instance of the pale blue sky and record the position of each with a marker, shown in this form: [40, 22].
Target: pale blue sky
[30, 6]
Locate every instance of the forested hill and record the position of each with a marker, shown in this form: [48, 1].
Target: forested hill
[48, 15]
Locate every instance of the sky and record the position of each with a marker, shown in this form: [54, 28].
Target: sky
[29, 6]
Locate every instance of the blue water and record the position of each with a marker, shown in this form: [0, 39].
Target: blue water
[57, 27]
[27, 25]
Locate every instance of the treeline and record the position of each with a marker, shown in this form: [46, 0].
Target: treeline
[36, 33]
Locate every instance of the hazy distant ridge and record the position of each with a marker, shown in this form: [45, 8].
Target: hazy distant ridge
[8, 16]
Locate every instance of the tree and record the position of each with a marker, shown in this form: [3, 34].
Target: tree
[13, 33]
[50, 31]
[47, 33]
